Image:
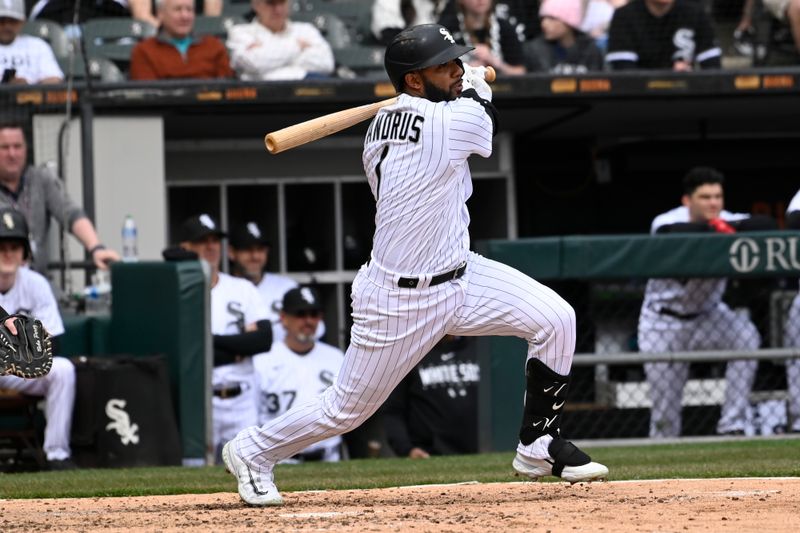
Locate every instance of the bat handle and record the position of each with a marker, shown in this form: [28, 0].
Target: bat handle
[490, 74]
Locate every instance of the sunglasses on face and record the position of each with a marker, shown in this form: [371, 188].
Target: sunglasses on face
[307, 314]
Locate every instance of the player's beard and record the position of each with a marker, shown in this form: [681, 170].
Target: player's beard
[304, 338]
[435, 94]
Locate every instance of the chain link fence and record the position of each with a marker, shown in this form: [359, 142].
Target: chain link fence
[741, 371]
[666, 357]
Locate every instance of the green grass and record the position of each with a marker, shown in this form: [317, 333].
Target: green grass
[744, 458]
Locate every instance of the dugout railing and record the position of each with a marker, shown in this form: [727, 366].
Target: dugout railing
[604, 279]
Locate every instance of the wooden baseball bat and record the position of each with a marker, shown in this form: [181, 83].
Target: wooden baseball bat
[317, 128]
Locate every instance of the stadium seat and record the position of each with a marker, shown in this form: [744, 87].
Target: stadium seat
[355, 15]
[364, 61]
[50, 31]
[238, 8]
[330, 26]
[216, 26]
[100, 69]
[114, 38]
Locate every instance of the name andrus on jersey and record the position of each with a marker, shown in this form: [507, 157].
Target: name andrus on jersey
[397, 126]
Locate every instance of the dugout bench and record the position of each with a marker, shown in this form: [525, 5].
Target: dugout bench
[158, 308]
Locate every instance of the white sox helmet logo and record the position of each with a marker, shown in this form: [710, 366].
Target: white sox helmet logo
[446, 35]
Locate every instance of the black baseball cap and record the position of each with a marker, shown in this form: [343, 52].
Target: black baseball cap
[301, 299]
[199, 227]
[247, 235]
[14, 227]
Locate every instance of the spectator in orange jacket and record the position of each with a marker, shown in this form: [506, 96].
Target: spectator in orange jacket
[175, 52]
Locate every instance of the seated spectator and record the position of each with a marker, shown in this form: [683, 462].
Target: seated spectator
[597, 19]
[175, 52]
[63, 11]
[786, 11]
[298, 369]
[390, 17]
[24, 291]
[434, 410]
[562, 48]
[24, 59]
[662, 34]
[272, 47]
[496, 42]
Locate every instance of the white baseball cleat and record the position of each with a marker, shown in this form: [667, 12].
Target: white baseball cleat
[252, 489]
[566, 461]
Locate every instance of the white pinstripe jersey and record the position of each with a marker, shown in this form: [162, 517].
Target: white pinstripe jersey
[691, 295]
[415, 157]
[794, 205]
[32, 295]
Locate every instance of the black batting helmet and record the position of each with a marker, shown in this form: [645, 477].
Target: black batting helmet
[14, 227]
[420, 47]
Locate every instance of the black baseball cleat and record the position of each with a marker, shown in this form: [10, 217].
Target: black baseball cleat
[566, 461]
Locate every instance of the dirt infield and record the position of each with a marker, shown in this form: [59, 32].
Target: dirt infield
[719, 505]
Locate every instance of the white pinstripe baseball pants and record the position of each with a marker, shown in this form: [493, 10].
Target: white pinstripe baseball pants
[792, 339]
[393, 329]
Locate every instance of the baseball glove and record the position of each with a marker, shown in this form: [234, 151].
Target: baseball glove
[29, 353]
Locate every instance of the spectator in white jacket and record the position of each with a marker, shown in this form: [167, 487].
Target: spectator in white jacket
[390, 17]
[272, 47]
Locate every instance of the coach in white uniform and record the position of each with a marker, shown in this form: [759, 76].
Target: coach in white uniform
[422, 282]
[30, 58]
[792, 331]
[240, 330]
[27, 292]
[298, 369]
[248, 250]
[689, 314]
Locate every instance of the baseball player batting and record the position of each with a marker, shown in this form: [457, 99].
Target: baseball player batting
[422, 282]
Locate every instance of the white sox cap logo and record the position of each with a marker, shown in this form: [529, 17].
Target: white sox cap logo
[207, 221]
[8, 220]
[307, 295]
[252, 229]
[446, 35]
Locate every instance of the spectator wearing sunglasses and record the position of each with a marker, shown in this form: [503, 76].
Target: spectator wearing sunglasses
[298, 369]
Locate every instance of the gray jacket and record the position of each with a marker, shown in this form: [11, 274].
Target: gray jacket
[41, 196]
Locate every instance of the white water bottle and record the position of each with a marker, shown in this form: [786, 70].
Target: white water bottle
[129, 249]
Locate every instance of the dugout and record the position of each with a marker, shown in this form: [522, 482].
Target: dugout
[603, 278]
[576, 155]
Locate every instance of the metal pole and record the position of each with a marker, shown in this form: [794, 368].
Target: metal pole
[87, 161]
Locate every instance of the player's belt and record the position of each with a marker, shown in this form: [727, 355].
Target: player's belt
[680, 316]
[232, 392]
[435, 280]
